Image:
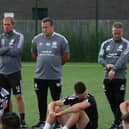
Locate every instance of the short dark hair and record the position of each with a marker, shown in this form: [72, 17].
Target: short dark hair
[10, 120]
[79, 87]
[48, 19]
[117, 25]
[125, 118]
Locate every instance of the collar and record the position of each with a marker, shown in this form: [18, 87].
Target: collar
[9, 33]
[117, 41]
[50, 36]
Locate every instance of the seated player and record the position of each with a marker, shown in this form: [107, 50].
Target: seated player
[81, 114]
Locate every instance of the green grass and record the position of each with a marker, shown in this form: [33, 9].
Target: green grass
[90, 73]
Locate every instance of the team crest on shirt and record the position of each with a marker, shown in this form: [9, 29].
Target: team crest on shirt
[54, 44]
[120, 48]
[108, 47]
[11, 43]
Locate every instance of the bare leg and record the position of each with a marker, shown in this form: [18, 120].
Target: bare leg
[79, 118]
[20, 103]
[62, 119]
[83, 120]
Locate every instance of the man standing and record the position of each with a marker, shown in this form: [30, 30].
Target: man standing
[11, 45]
[52, 51]
[113, 56]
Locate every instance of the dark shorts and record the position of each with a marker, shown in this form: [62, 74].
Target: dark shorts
[12, 82]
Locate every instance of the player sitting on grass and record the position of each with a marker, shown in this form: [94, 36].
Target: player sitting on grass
[82, 113]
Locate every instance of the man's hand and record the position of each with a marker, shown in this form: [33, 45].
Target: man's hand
[58, 114]
[111, 74]
[108, 66]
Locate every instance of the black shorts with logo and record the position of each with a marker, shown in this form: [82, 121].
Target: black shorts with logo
[12, 82]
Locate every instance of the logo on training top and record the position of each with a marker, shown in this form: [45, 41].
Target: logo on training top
[120, 48]
[54, 44]
[48, 44]
[108, 47]
[40, 43]
[11, 43]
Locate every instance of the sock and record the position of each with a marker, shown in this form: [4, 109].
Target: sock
[65, 127]
[47, 126]
[22, 116]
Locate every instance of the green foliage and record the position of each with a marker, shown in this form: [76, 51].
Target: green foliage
[85, 46]
[26, 56]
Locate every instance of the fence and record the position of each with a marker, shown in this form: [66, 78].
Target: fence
[81, 34]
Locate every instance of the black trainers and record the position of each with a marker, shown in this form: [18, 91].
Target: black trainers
[57, 126]
[23, 124]
[40, 124]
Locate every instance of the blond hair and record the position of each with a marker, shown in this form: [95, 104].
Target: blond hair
[10, 19]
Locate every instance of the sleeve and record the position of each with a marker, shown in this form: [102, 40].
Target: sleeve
[65, 46]
[16, 50]
[91, 100]
[3, 50]
[101, 56]
[71, 100]
[33, 46]
[123, 59]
